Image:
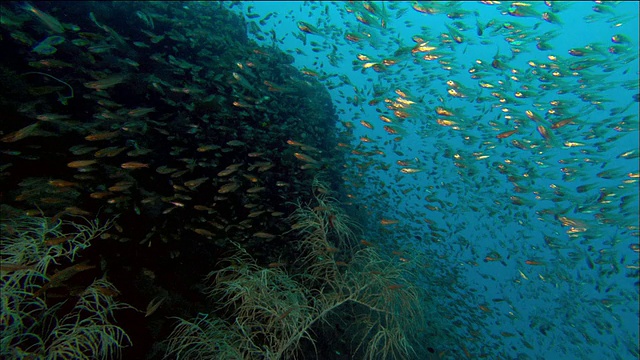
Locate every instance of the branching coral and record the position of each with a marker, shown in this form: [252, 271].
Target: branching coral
[30, 327]
[205, 338]
[269, 313]
[87, 332]
[38, 241]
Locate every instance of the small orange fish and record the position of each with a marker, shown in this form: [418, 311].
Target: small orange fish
[409, 171]
[445, 122]
[52, 23]
[401, 114]
[306, 27]
[562, 123]
[58, 240]
[20, 134]
[134, 165]
[51, 200]
[106, 82]
[264, 235]
[533, 262]
[390, 130]
[227, 171]
[533, 116]
[309, 72]
[204, 232]
[443, 112]
[202, 208]
[109, 152]
[401, 93]
[118, 199]
[154, 305]
[252, 178]
[193, 184]
[107, 291]
[102, 136]
[63, 275]
[354, 38]
[81, 163]
[120, 186]
[62, 183]
[74, 210]
[284, 315]
[506, 134]
[263, 166]
[141, 111]
[543, 131]
[294, 143]
[228, 187]
[256, 213]
[366, 124]
[256, 189]
[305, 158]
[388, 222]
[205, 148]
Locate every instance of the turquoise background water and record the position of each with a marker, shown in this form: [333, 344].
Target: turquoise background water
[583, 303]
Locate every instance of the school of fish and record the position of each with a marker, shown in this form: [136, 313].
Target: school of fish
[519, 167]
[509, 180]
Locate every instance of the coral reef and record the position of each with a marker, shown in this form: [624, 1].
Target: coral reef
[274, 312]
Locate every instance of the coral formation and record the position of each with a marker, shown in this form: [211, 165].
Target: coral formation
[273, 312]
[32, 325]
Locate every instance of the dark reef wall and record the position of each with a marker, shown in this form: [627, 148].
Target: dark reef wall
[167, 116]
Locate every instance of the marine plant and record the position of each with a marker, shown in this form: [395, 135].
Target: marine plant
[32, 327]
[274, 313]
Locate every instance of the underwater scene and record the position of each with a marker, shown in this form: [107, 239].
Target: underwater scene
[319, 180]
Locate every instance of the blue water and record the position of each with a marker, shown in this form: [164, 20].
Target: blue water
[581, 302]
